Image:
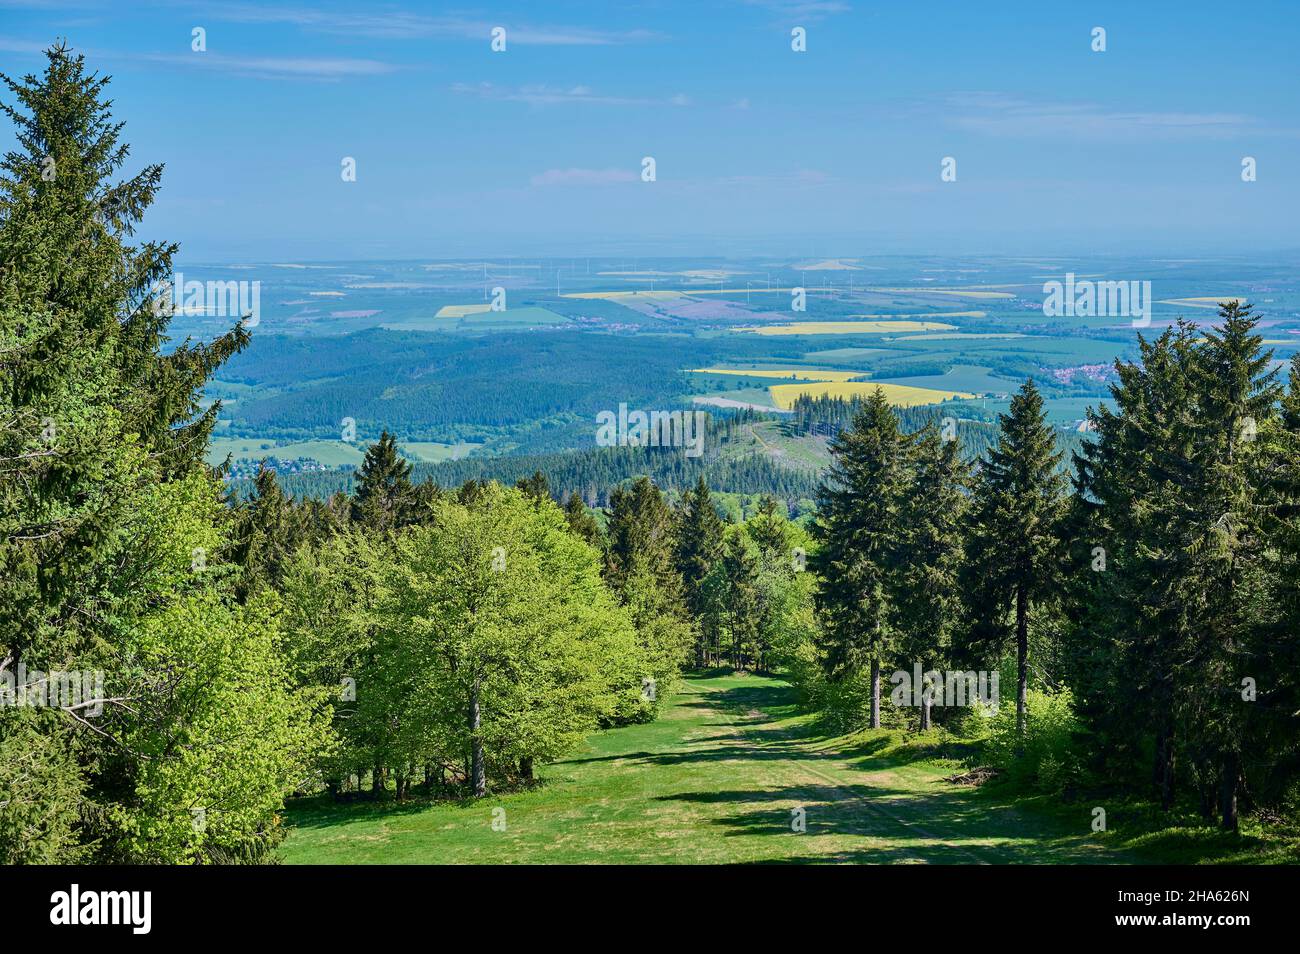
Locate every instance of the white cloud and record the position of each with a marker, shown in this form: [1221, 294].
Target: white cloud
[400, 25]
[564, 177]
[275, 67]
[541, 95]
[998, 114]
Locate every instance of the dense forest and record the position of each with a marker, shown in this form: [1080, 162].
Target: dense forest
[403, 637]
[593, 473]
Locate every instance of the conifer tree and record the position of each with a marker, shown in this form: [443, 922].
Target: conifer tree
[698, 550]
[112, 530]
[267, 531]
[926, 590]
[537, 488]
[858, 527]
[383, 496]
[1013, 545]
[581, 523]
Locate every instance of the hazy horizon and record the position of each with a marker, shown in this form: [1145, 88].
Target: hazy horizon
[537, 150]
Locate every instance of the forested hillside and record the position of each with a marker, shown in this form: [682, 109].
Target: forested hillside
[183, 657]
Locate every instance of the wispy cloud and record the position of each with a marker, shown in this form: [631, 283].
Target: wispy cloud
[998, 114]
[12, 45]
[325, 69]
[540, 95]
[583, 177]
[800, 177]
[400, 25]
[809, 11]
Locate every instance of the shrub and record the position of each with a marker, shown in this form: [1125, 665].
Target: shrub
[1049, 760]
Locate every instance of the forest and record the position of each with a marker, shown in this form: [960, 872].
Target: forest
[401, 638]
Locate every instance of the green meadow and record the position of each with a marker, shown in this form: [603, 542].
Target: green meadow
[725, 776]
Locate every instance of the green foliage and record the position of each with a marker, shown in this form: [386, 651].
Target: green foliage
[114, 533]
[1047, 757]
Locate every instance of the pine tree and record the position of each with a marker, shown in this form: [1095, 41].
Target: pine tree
[926, 590]
[536, 488]
[1237, 395]
[112, 528]
[1013, 544]
[640, 569]
[1127, 560]
[858, 528]
[267, 531]
[769, 529]
[740, 570]
[581, 523]
[383, 496]
[698, 550]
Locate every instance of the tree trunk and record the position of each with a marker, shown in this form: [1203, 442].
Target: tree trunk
[526, 768]
[926, 701]
[478, 771]
[1164, 768]
[378, 782]
[1228, 791]
[875, 694]
[1022, 665]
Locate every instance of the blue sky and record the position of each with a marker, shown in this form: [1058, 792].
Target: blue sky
[462, 151]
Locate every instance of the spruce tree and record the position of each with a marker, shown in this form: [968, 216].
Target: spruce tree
[112, 529]
[267, 531]
[1012, 549]
[926, 596]
[383, 496]
[698, 550]
[536, 488]
[581, 523]
[858, 528]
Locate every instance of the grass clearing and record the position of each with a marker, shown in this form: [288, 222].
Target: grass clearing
[717, 779]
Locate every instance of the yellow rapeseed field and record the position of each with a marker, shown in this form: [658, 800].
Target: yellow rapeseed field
[900, 395]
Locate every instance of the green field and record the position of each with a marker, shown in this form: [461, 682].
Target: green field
[329, 453]
[715, 779]
[433, 452]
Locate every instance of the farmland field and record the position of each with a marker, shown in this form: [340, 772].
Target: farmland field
[413, 348]
[900, 395]
[848, 327]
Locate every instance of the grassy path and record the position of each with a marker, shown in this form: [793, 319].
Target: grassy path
[717, 779]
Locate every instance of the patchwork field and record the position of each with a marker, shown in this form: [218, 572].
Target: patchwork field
[900, 395]
[847, 327]
[329, 453]
[800, 374]
[413, 348]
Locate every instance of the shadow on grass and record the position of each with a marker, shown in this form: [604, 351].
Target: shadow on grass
[944, 826]
[322, 811]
